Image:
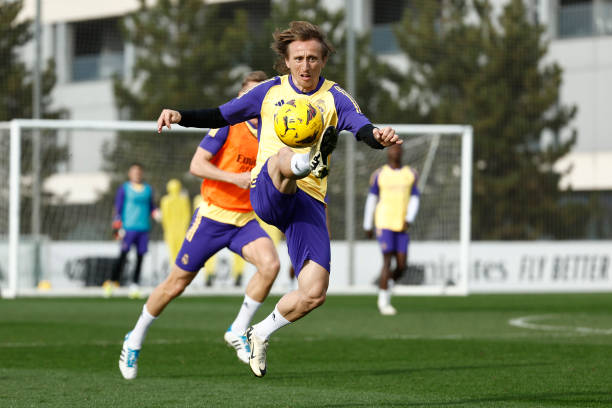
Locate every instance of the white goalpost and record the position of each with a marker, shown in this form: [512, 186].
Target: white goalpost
[439, 251]
[79, 170]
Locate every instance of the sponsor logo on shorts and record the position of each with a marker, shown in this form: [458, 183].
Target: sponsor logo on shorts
[185, 259]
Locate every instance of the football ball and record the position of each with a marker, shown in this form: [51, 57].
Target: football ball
[298, 123]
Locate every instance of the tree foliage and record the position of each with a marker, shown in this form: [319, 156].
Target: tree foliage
[16, 98]
[16, 80]
[187, 55]
[369, 71]
[469, 66]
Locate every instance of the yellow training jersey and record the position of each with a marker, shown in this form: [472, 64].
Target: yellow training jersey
[393, 188]
[337, 106]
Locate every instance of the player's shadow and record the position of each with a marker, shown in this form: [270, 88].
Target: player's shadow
[400, 371]
[283, 376]
[548, 398]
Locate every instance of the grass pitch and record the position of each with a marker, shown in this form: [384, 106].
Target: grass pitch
[437, 352]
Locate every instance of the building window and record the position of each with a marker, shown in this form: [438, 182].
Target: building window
[98, 49]
[385, 14]
[584, 18]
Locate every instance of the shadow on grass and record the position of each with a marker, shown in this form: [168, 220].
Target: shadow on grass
[284, 375]
[395, 371]
[560, 398]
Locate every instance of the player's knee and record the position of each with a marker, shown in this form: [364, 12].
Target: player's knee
[269, 268]
[267, 264]
[314, 299]
[285, 153]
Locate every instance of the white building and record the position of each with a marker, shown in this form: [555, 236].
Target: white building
[85, 41]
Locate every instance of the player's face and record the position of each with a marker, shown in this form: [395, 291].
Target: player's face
[394, 153]
[305, 61]
[135, 174]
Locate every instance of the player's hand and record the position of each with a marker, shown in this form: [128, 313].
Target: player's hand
[369, 234]
[386, 136]
[166, 118]
[243, 180]
[157, 215]
[116, 227]
[118, 234]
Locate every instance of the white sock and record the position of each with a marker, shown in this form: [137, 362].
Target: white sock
[270, 324]
[384, 297]
[300, 164]
[140, 330]
[246, 313]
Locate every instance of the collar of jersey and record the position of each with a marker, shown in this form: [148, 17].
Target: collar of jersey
[398, 169]
[321, 81]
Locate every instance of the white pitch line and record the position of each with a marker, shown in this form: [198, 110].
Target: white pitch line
[92, 343]
[525, 322]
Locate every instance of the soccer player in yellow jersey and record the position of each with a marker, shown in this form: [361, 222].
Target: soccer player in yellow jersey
[288, 186]
[393, 199]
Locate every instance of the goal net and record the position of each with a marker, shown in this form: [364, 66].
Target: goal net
[59, 178]
[439, 237]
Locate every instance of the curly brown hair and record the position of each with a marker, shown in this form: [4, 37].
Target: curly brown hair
[297, 31]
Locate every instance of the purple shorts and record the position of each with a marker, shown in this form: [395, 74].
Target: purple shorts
[392, 241]
[138, 238]
[299, 216]
[207, 237]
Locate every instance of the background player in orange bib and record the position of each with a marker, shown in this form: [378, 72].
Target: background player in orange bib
[225, 218]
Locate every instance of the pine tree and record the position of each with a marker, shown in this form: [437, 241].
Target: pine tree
[188, 55]
[467, 66]
[16, 83]
[16, 80]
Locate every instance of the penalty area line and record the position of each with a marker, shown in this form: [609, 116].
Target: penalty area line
[529, 322]
[102, 343]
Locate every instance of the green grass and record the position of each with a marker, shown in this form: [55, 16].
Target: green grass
[437, 352]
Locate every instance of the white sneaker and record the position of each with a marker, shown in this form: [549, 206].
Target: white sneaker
[128, 360]
[319, 154]
[109, 287]
[134, 291]
[387, 310]
[238, 343]
[257, 360]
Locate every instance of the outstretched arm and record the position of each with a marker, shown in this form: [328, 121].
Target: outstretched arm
[352, 119]
[378, 138]
[245, 107]
[200, 118]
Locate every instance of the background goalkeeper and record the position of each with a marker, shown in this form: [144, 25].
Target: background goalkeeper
[132, 212]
